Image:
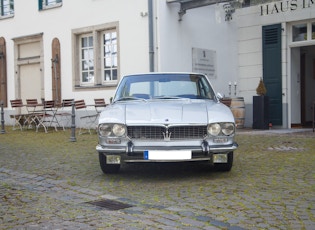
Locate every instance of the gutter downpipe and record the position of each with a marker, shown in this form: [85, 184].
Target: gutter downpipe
[151, 41]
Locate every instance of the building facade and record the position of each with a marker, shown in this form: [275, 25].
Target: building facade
[55, 49]
[276, 42]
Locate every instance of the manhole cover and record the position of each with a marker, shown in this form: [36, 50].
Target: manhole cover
[112, 205]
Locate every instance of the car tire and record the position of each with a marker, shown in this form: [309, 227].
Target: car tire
[225, 167]
[107, 168]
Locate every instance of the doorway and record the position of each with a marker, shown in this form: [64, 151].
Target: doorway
[28, 62]
[302, 85]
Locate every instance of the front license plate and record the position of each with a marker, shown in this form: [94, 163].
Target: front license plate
[167, 155]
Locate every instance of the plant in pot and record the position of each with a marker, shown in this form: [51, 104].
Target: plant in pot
[261, 107]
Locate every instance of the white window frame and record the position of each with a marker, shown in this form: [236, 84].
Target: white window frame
[309, 38]
[97, 32]
[6, 9]
[48, 4]
[109, 56]
[87, 56]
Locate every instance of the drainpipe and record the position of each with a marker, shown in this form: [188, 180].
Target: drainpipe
[151, 41]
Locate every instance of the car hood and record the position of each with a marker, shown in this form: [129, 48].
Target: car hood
[166, 112]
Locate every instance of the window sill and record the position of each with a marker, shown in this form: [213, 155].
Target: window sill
[80, 87]
[6, 16]
[52, 6]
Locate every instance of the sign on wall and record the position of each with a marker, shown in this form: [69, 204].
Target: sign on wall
[204, 61]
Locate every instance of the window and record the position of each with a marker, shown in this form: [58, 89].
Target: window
[46, 4]
[96, 56]
[110, 55]
[7, 8]
[87, 59]
[299, 32]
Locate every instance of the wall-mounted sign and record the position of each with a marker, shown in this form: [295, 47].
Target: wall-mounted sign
[204, 61]
[285, 6]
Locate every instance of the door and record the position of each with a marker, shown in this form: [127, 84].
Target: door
[30, 81]
[29, 64]
[272, 72]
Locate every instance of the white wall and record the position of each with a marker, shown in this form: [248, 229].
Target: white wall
[58, 22]
[198, 29]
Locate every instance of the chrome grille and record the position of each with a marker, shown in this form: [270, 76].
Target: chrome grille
[158, 133]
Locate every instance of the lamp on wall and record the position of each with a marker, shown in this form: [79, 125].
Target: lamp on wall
[229, 10]
[1, 55]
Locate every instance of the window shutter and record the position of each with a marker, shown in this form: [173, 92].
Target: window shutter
[272, 71]
[40, 4]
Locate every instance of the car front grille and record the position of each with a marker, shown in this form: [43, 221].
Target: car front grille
[166, 133]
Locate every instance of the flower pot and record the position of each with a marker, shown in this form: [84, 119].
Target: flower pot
[260, 112]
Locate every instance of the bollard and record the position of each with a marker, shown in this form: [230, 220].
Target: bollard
[2, 119]
[73, 138]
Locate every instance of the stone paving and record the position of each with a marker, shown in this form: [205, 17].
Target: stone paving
[46, 182]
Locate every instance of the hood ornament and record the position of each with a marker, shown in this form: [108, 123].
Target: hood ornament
[167, 135]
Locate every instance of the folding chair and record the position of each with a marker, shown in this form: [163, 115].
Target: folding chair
[33, 113]
[19, 118]
[99, 104]
[88, 119]
[47, 115]
[65, 115]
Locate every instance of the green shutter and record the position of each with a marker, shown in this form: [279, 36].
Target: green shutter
[272, 71]
[40, 4]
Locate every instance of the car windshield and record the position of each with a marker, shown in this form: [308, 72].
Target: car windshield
[164, 86]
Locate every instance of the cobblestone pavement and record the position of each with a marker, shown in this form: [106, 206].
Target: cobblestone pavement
[46, 182]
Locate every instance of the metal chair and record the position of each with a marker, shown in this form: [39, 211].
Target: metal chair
[88, 119]
[99, 104]
[64, 116]
[33, 112]
[19, 118]
[47, 115]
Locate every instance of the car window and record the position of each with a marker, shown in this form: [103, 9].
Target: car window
[150, 86]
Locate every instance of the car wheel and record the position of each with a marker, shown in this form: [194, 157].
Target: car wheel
[225, 167]
[107, 168]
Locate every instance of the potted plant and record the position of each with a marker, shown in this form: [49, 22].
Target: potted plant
[261, 107]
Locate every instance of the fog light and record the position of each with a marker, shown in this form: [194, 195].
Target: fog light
[220, 158]
[112, 159]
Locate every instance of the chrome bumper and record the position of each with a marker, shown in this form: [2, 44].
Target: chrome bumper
[130, 149]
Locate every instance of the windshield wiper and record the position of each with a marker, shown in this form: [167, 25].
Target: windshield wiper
[130, 98]
[167, 97]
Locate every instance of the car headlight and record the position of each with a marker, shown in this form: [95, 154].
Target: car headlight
[228, 128]
[214, 129]
[112, 130]
[119, 130]
[105, 129]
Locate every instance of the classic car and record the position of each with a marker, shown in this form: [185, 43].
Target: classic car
[165, 117]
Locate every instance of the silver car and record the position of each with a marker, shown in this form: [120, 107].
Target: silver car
[165, 117]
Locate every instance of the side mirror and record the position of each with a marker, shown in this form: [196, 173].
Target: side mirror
[111, 100]
[219, 96]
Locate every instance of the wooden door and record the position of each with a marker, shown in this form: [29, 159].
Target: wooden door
[55, 70]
